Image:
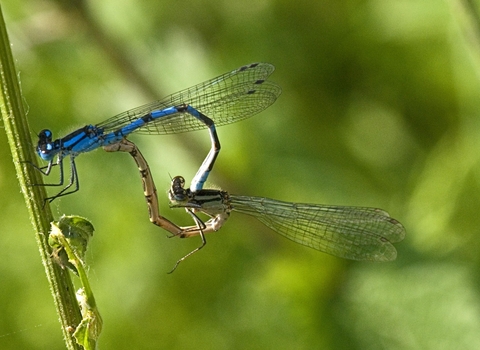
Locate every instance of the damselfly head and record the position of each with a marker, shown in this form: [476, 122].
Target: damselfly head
[177, 192]
[45, 144]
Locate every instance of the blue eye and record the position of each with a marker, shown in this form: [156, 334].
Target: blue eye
[45, 134]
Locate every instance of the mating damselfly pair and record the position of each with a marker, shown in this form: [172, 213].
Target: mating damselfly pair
[348, 232]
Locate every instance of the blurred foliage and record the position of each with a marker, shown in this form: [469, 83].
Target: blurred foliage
[379, 108]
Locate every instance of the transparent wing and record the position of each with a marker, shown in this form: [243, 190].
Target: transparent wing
[225, 99]
[347, 232]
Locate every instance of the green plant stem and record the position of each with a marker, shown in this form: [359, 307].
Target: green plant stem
[16, 128]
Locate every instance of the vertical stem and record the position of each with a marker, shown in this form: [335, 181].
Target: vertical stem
[16, 128]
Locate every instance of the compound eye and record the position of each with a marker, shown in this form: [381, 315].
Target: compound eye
[45, 135]
[179, 181]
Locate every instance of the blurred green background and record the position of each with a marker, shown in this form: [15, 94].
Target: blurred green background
[380, 107]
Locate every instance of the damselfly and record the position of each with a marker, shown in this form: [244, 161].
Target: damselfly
[222, 100]
[356, 233]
